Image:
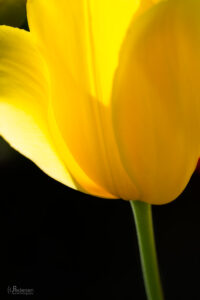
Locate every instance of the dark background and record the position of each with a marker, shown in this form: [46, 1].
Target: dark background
[68, 245]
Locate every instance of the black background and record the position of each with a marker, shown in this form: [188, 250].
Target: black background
[68, 245]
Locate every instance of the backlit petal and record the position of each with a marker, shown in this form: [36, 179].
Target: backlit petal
[87, 34]
[24, 110]
[156, 99]
[81, 58]
[23, 101]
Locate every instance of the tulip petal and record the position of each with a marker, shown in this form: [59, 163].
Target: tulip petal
[24, 109]
[88, 35]
[23, 99]
[144, 5]
[156, 99]
[82, 119]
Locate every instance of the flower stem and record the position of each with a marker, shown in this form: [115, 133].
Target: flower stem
[144, 227]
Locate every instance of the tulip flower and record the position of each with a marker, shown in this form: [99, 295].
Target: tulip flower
[12, 12]
[103, 96]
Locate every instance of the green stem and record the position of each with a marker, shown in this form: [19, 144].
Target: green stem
[144, 227]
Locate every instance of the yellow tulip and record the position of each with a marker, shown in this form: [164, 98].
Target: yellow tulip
[103, 95]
